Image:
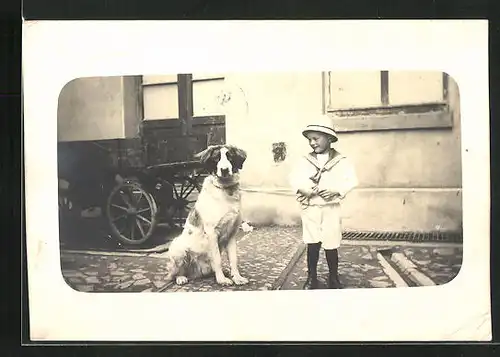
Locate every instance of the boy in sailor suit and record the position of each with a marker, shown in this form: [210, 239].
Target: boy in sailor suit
[321, 180]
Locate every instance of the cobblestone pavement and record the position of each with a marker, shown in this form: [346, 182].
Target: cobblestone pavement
[440, 264]
[263, 256]
[358, 268]
[105, 273]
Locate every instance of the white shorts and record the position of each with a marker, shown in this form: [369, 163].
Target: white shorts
[322, 224]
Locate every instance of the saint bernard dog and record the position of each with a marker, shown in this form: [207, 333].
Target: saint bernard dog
[212, 224]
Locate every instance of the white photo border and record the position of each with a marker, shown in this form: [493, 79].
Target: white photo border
[56, 52]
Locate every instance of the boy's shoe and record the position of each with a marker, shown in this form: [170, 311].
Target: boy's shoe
[311, 283]
[334, 282]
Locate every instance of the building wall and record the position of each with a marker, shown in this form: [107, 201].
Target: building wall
[409, 179]
[161, 95]
[98, 108]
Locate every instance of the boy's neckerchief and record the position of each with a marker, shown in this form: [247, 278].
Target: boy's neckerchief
[335, 157]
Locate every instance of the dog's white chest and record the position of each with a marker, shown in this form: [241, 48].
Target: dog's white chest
[214, 202]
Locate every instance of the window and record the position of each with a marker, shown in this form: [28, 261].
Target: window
[385, 100]
[160, 95]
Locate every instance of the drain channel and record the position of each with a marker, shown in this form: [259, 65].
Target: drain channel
[393, 270]
[405, 268]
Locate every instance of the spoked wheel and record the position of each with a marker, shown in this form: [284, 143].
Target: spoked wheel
[131, 213]
[185, 193]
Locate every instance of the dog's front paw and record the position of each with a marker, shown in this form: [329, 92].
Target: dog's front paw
[224, 281]
[181, 280]
[239, 280]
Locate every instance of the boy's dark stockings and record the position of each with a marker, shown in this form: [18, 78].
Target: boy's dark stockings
[312, 266]
[332, 258]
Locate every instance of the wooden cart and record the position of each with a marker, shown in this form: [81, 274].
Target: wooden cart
[140, 183]
[143, 182]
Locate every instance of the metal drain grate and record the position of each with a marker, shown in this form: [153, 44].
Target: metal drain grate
[448, 237]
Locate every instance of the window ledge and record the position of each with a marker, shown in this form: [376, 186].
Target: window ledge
[429, 120]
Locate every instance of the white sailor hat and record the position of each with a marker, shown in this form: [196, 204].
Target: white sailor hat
[322, 124]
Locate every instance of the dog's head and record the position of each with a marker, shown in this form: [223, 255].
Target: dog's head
[222, 160]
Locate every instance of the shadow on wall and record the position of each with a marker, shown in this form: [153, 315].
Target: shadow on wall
[261, 209]
[363, 210]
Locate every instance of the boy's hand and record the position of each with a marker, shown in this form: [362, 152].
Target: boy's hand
[328, 195]
[308, 193]
[304, 195]
[301, 198]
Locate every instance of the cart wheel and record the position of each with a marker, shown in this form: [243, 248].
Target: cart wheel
[131, 213]
[185, 190]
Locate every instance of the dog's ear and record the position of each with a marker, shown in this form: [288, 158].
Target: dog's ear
[238, 156]
[205, 155]
[209, 157]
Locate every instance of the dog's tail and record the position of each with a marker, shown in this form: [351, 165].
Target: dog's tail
[175, 264]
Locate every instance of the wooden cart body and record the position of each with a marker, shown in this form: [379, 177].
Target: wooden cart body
[139, 183]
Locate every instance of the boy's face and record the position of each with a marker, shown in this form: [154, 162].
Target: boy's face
[319, 142]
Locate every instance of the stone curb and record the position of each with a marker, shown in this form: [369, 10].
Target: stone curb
[65, 252]
[411, 270]
[391, 272]
[289, 267]
[157, 252]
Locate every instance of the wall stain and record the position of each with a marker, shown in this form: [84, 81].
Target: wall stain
[279, 151]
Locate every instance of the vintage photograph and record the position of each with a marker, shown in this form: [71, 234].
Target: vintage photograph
[231, 178]
[255, 181]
